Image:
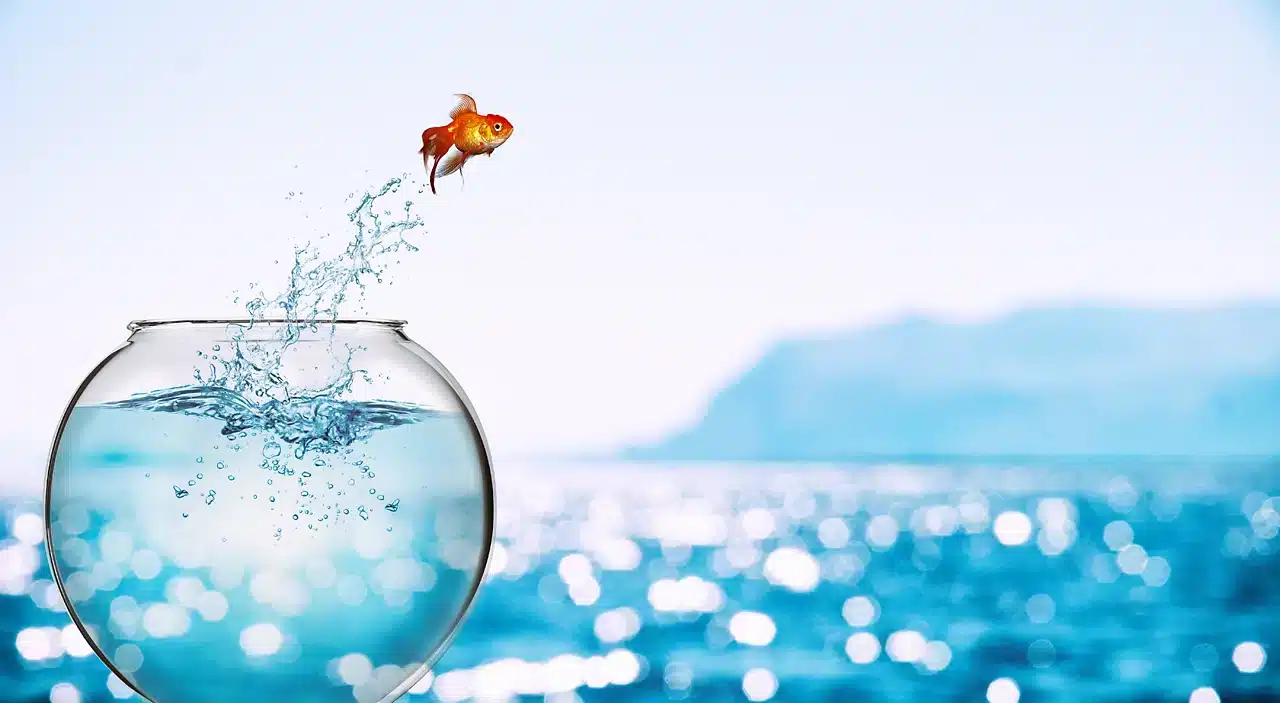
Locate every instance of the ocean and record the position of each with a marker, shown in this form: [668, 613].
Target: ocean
[1101, 580]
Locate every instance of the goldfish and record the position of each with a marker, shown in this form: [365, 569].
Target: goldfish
[468, 134]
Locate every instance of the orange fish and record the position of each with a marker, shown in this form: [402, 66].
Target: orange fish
[468, 134]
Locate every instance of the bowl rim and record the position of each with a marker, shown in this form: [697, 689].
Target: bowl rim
[136, 325]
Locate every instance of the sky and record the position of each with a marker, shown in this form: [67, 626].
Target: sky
[686, 183]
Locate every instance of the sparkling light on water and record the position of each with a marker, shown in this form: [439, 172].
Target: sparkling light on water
[1156, 572]
[118, 689]
[28, 529]
[74, 643]
[355, 669]
[758, 523]
[862, 648]
[794, 569]
[1249, 657]
[833, 533]
[860, 611]
[905, 646]
[1040, 608]
[163, 620]
[752, 629]
[261, 640]
[128, 658]
[688, 595]
[212, 606]
[759, 685]
[1204, 694]
[38, 643]
[1003, 690]
[64, 693]
[937, 656]
[618, 625]
[882, 532]
[1118, 534]
[1012, 528]
[503, 679]
[1132, 560]
[724, 602]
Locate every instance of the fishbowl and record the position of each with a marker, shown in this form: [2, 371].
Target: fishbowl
[269, 510]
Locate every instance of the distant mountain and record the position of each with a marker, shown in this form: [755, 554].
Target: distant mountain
[1041, 382]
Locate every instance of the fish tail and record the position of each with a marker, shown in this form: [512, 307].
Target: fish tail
[426, 164]
[436, 141]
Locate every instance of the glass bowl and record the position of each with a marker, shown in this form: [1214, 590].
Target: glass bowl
[269, 510]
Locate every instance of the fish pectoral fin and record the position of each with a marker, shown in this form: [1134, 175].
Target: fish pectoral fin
[451, 163]
[466, 104]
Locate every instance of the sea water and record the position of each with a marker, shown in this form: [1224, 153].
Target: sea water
[246, 531]
[1118, 581]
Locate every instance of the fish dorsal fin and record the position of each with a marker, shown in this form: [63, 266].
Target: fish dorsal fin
[466, 104]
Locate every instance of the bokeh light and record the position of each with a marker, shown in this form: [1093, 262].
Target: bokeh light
[596, 590]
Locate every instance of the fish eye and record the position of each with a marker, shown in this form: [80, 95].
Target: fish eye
[497, 126]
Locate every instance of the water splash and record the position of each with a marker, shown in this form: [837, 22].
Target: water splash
[246, 388]
[321, 424]
[315, 293]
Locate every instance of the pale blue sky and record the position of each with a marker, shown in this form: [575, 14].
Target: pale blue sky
[686, 182]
